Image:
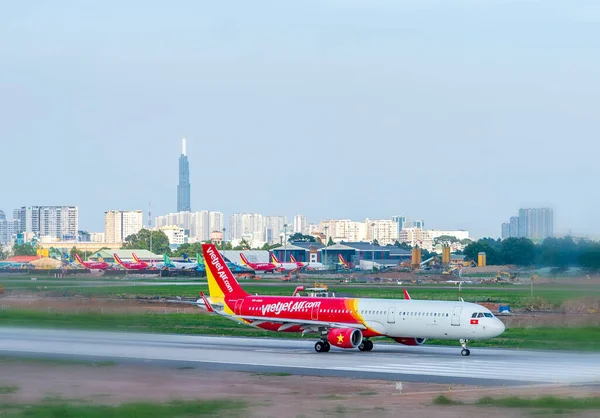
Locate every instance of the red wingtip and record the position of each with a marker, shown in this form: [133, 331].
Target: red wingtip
[209, 307]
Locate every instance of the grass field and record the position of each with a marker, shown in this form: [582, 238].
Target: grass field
[584, 338]
[60, 408]
[515, 296]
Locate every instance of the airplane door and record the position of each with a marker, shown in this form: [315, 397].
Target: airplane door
[238, 306]
[392, 316]
[456, 315]
[314, 313]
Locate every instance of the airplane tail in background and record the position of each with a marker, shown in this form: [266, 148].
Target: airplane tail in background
[292, 258]
[242, 256]
[199, 259]
[135, 258]
[118, 260]
[166, 260]
[221, 282]
[185, 257]
[274, 258]
[78, 259]
[100, 259]
[344, 262]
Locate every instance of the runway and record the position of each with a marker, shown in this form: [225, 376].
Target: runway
[387, 361]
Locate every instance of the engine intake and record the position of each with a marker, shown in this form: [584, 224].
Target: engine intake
[345, 337]
[410, 341]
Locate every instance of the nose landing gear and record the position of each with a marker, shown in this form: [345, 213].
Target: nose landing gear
[465, 351]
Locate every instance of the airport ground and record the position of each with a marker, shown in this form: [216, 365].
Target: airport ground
[566, 316]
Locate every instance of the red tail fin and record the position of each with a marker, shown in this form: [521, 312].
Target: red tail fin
[78, 259]
[292, 258]
[244, 259]
[117, 259]
[135, 258]
[275, 259]
[219, 274]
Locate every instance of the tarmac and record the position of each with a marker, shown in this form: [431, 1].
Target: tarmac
[432, 364]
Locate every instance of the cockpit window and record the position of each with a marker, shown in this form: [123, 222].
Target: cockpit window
[488, 315]
[474, 315]
[480, 315]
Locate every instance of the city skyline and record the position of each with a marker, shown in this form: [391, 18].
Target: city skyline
[447, 117]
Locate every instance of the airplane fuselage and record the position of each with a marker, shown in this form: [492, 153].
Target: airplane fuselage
[376, 317]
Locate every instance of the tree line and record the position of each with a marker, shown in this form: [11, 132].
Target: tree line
[559, 253]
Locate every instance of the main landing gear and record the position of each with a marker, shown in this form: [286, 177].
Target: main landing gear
[322, 346]
[366, 345]
[465, 351]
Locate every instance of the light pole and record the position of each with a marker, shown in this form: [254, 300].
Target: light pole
[284, 242]
[223, 241]
[373, 244]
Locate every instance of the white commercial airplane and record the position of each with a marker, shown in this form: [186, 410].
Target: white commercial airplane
[346, 322]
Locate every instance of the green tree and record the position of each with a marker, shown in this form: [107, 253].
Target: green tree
[444, 240]
[519, 251]
[141, 241]
[590, 256]
[74, 251]
[24, 249]
[330, 242]
[491, 248]
[298, 237]
[403, 245]
[244, 245]
[267, 247]
[3, 253]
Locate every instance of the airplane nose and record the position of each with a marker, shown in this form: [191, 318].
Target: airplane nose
[499, 327]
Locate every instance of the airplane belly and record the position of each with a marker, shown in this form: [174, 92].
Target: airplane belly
[377, 327]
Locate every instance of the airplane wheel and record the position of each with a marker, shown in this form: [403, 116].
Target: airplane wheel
[369, 345]
[465, 352]
[327, 346]
[320, 347]
[362, 346]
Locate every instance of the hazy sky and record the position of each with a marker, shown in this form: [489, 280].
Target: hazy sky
[456, 112]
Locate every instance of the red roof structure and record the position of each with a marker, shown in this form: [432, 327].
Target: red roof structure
[22, 258]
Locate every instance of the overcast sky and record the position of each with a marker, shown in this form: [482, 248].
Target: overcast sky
[455, 112]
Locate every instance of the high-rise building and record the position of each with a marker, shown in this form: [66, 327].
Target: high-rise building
[536, 223]
[514, 227]
[197, 225]
[505, 230]
[385, 231]
[400, 221]
[300, 225]
[183, 188]
[119, 224]
[61, 222]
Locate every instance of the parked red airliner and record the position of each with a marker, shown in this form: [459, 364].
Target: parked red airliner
[92, 265]
[266, 267]
[346, 322]
[131, 265]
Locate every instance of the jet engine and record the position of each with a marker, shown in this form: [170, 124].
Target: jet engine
[345, 337]
[410, 341]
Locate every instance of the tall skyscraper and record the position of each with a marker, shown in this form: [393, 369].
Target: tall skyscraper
[183, 188]
[505, 230]
[514, 227]
[536, 223]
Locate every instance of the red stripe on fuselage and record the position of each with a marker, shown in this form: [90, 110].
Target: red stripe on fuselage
[297, 308]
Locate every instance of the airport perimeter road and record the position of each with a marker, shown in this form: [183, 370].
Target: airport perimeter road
[386, 361]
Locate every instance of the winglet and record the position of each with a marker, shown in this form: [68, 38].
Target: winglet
[406, 295]
[209, 307]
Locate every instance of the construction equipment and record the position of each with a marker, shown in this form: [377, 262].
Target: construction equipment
[1, 289]
[504, 275]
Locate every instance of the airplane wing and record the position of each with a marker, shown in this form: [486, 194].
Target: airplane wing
[288, 322]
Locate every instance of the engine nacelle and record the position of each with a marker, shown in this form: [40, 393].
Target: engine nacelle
[345, 337]
[410, 341]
